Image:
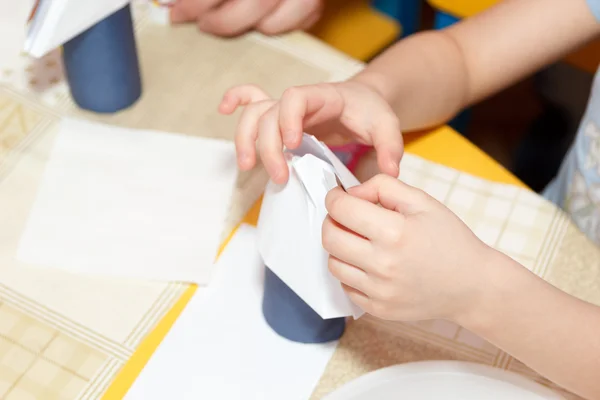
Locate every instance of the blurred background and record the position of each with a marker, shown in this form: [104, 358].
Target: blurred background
[527, 128]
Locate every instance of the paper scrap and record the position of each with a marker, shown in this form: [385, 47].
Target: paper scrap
[160, 11]
[57, 21]
[221, 348]
[289, 229]
[13, 22]
[130, 203]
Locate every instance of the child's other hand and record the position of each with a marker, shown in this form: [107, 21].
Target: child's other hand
[410, 259]
[348, 111]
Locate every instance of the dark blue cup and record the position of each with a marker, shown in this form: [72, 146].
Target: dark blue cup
[290, 317]
[101, 65]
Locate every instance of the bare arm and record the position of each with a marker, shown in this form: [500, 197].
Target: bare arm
[554, 333]
[430, 76]
[418, 261]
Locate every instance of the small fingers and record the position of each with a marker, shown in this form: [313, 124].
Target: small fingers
[371, 305]
[307, 105]
[388, 143]
[392, 194]
[270, 146]
[239, 96]
[359, 298]
[311, 20]
[278, 124]
[349, 275]
[189, 10]
[235, 17]
[247, 133]
[345, 245]
[361, 216]
[291, 15]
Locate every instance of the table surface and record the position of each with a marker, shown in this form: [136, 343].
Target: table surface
[247, 59]
[442, 145]
[462, 8]
[306, 61]
[447, 147]
[432, 145]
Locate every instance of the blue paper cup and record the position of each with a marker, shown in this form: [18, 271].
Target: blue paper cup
[102, 67]
[290, 317]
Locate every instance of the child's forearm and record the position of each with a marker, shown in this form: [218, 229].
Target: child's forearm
[429, 77]
[554, 333]
[423, 78]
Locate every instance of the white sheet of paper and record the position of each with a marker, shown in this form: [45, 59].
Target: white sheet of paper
[131, 203]
[221, 348]
[289, 229]
[58, 21]
[13, 26]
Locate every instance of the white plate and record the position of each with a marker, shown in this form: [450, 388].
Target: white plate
[447, 380]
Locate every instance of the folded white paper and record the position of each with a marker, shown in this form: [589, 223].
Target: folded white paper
[58, 21]
[289, 228]
[221, 348]
[130, 203]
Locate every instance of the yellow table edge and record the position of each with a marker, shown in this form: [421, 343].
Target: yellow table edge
[343, 27]
[462, 8]
[442, 145]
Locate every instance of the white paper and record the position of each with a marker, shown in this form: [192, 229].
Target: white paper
[129, 203]
[160, 13]
[289, 229]
[58, 21]
[221, 348]
[13, 25]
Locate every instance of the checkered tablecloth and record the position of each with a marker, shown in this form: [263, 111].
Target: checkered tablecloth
[511, 219]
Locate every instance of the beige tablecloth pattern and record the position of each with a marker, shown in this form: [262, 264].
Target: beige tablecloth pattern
[65, 336]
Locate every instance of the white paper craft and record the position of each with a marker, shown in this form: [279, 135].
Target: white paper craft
[289, 228]
[58, 21]
[160, 12]
[129, 203]
[221, 348]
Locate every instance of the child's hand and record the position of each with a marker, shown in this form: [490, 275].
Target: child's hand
[349, 110]
[411, 259]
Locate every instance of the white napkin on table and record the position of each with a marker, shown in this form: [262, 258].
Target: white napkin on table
[129, 203]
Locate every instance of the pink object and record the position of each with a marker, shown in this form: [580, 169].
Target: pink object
[353, 153]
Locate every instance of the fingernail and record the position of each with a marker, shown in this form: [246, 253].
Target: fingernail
[289, 137]
[244, 159]
[278, 175]
[225, 108]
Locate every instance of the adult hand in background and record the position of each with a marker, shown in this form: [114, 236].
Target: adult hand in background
[235, 17]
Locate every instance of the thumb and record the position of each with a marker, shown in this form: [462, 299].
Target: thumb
[392, 194]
